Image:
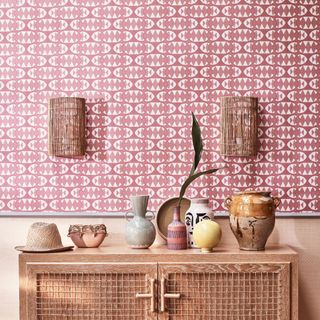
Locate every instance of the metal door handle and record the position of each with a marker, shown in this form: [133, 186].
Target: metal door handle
[148, 295]
[164, 295]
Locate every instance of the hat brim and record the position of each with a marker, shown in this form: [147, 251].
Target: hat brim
[34, 250]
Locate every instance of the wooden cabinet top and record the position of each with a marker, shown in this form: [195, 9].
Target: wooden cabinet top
[115, 249]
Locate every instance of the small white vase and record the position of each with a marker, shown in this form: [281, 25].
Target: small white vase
[199, 210]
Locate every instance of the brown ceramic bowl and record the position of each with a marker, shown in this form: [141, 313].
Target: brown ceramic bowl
[87, 236]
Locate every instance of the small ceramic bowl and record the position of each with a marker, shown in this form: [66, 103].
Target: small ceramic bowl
[87, 236]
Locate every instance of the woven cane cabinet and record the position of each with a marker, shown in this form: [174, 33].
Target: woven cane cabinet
[119, 283]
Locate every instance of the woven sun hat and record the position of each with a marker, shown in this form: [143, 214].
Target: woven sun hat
[43, 237]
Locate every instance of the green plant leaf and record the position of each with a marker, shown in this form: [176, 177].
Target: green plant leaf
[197, 144]
[192, 178]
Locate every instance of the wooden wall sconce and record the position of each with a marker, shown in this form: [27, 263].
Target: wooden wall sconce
[239, 131]
[66, 136]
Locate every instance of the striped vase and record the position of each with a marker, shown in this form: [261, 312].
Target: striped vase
[177, 232]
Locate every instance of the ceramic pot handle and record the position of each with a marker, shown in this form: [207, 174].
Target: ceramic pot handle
[152, 217]
[227, 202]
[276, 201]
[126, 215]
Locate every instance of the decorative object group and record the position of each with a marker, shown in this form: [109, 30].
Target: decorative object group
[178, 236]
[252, 213]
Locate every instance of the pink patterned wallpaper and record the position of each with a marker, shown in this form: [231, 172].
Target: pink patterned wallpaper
[143, 66]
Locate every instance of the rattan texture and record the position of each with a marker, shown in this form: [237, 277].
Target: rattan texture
[225, 296]
[66, 133]
[225, 292]
[85, 296]
[239, 130]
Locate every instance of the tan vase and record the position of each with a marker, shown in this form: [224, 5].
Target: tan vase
[252, 217]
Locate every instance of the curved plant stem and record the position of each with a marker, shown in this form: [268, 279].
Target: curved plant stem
[190, 179]
[197, 144]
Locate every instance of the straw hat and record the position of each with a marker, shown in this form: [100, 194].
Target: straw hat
[43, 237]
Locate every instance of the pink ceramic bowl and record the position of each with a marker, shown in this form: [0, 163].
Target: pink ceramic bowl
[87, 236]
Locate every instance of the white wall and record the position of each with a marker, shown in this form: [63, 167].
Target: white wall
[302, 234]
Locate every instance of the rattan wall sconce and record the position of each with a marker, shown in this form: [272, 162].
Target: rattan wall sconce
[239, 130]
[66, 136]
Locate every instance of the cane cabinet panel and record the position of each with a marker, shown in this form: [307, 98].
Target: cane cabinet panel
[225, 291]
[122, 284]
[84, 292]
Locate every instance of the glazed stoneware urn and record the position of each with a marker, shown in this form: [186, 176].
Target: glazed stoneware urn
[140, 231]
[199, 210]
[177, 232]
[252, 217]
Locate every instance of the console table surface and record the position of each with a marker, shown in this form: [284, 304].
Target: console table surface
[116, 247]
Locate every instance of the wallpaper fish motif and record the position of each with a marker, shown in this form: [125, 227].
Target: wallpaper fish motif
[143, 67]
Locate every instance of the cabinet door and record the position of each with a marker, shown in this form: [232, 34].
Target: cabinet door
[224, 291]
[90, 291]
